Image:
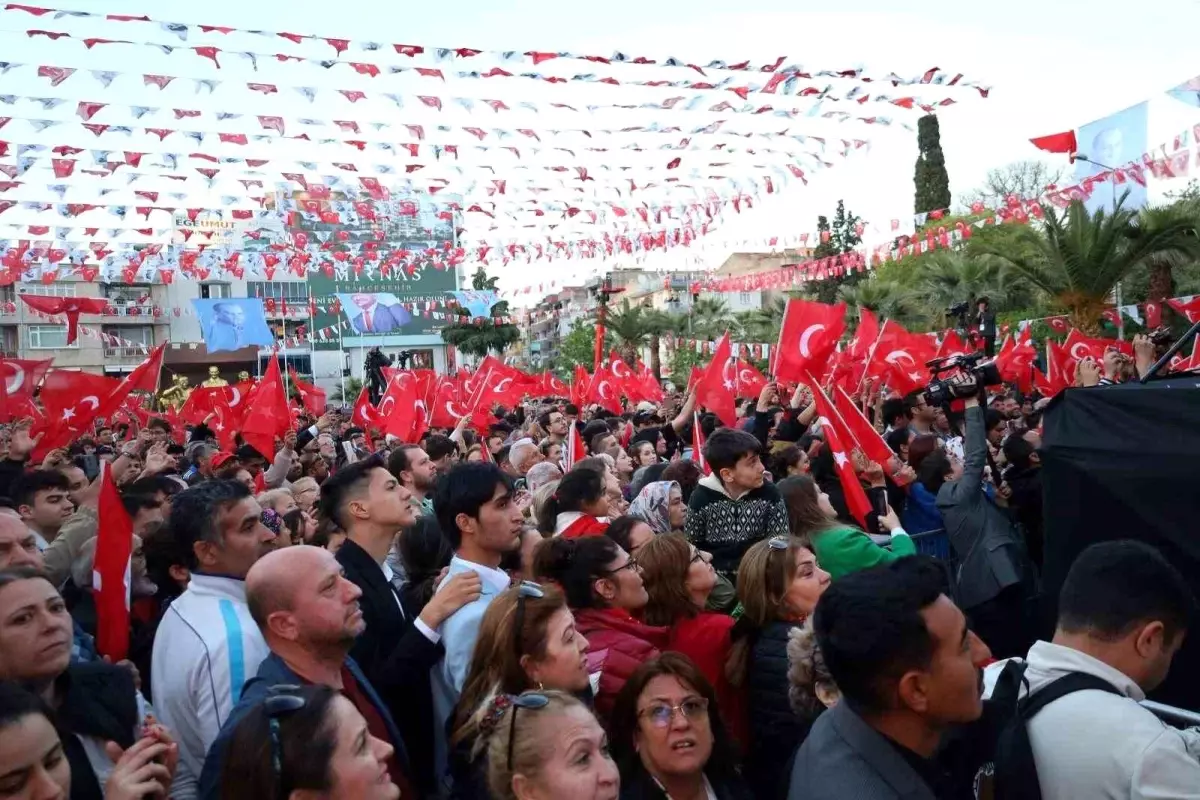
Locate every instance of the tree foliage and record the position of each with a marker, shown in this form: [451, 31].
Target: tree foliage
[487, 336]
[843, 237]
[930, 178]
[577, 348]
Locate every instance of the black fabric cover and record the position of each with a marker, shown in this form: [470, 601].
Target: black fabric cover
[1123, 462]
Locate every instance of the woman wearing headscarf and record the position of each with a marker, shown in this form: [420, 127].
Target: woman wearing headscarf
[660, 505]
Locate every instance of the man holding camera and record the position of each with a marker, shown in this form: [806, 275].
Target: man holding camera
[985, 323]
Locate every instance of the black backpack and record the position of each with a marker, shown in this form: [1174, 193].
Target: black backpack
[1015, 776]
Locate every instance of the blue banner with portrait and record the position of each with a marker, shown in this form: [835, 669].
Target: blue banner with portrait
[1112, 143]
[233, 323]
[477, 303]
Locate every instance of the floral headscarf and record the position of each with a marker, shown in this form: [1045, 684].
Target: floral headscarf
[652, 505]
[272, 520]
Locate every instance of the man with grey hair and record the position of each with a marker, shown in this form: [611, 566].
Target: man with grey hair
[523, 454]
[542, 473]
[227, 329]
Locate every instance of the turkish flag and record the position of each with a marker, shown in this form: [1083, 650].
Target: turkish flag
[268, 416]
[605, 391]
[1015, 361]
[579, 386]
[1058, 324]
[900, 357]
[951, 345]
[1079, 347]
[111, 570]
[716, 387]
[836, 435]
[364, 414]
[574, 451]
[398, 407]
[311, 397]
[865, 436]
[750, 381]
[447, 408]
[1189, 308]
[203, 401]
[698, 445]
[807, 339]
[1057, 143]
[70, 396]
[70, 307]
[1153, 314]
[21, 376]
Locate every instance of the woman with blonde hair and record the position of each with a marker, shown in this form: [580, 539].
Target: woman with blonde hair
[678, 580]
[546, 745]
[779, 583]
[527, 640]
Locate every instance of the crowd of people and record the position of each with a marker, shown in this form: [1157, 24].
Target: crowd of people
[474, 616]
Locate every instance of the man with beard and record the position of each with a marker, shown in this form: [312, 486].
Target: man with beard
[399, 648]
[309, 615]
[417, 473]
[556, 426]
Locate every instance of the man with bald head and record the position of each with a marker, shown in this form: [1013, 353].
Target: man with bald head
[309, 617]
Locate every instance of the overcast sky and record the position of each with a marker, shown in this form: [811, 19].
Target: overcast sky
[1053, 65]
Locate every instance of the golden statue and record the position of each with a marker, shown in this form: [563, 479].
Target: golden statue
[214, 379]
[176, 394]
[243, 376]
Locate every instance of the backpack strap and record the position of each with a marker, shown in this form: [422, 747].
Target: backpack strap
[1015, 771]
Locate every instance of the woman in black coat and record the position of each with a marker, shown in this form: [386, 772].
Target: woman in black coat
[779, 583]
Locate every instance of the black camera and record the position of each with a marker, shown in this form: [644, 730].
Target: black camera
[941, 391]
[958, 309]
[373, 366]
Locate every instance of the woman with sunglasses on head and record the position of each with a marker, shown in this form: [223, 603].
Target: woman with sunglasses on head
[306, 742]
[527, 640]
[779, 583]
[546, 745]
[603, 587]
[840, 548]
[668, 739]
[34, 764]
[679, 579]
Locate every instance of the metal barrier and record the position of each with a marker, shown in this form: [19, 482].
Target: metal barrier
[1173, 715]
[933, 543]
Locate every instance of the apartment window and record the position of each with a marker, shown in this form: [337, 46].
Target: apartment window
[47, 289]
[47, 337]
[132, 334]
[292, 291]
[126, 293]
[214, 291]
[745, 298]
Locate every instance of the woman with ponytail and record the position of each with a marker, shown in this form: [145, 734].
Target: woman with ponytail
[603, 587]
[578, 507]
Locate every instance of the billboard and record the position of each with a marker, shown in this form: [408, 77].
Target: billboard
[1114, 141]
[375, 226]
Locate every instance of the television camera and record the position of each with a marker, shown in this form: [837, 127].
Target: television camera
[941, 390]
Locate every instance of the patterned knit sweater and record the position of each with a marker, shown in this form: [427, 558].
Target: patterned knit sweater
[727, 528]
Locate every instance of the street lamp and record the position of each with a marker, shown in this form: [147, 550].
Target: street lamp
[1117, 288]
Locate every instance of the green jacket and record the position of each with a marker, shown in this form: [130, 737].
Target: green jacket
[841, 551]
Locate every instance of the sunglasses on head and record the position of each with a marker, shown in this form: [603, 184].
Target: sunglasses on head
[526, 589]
[280, 702]
[530, 701]
[778, 543]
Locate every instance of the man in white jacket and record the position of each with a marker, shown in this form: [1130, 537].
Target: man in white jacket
[1123, 613]
[208, 645]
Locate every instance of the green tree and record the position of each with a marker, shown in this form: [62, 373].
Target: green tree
[1023, 179]
[710, 318]
[949, 277]
[762, 324]
[656, 323]
[628, 324]
[682, 361]
[487, 336]
[932, 182]
[889, 300]
[1077, 257]
[824, 248]
[577, 348]
[353, 390]
[843, 238]
[1162, 266]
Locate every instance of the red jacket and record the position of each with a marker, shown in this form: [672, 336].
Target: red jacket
[705, 639]
[617, 645]
[584, 525]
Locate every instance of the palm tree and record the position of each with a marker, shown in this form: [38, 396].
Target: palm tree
[488, 335]
[762, 324]
[353, 390]
[887, 299]
[1161, 265]
[949, 277]
[628, 324]
[1078, 257]
[656, 323]
[710, 317]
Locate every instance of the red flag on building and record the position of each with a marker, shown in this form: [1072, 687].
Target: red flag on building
[110, 571]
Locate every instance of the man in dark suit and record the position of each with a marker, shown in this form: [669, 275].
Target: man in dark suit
[309, 616]
[398, 649]
[909, 670]
[374, 317]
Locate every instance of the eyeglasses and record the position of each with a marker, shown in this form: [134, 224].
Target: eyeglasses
[631, 564]
[661, 715]
[281, 701]
[526, 589]
[699, 556]
[527, 700]
[778, 543]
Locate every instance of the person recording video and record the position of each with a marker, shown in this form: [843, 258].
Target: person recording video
[985, 323]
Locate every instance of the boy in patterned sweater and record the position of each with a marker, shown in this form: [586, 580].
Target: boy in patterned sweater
[734, 507]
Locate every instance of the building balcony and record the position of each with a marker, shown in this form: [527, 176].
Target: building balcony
[123, 355]
[136, 312]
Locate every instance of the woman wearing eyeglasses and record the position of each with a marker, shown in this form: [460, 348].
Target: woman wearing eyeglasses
[679, 579]
[306, 742]
[840, 548]
[546, 746]
[604, 590]
[779, 583]
[668, 739]
[527, 640]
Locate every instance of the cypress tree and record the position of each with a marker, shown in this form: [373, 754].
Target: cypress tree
[932, 182]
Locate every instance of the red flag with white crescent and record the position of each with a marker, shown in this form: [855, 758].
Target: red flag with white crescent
[111, 570]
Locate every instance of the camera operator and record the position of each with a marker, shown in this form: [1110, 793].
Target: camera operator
[985, 323]
[996, 582]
